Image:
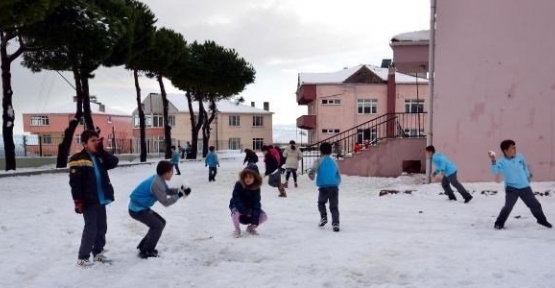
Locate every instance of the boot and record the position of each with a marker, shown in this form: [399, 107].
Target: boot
[286, 184]
[282, 192]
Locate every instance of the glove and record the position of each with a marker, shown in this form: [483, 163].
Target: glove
[183, 191]
[79, 206]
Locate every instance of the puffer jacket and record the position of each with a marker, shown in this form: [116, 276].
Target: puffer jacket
[292, 157]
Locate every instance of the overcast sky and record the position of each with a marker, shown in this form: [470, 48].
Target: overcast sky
[279, 37]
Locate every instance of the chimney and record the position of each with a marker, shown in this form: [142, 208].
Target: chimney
[252, 104]
[267, 106]
[386, 63]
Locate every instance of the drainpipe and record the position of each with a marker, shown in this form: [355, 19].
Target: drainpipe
[431, 70]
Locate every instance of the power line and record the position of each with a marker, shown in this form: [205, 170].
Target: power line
[69, 83]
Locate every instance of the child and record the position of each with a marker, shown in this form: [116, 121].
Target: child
[245, 202]
[517, 184]
[175, 160]
[272, 170]
[292, 157]
[92, 190]
[212, 162]
[327, 180]
[449, 171]
[144, 196]
[251, 159]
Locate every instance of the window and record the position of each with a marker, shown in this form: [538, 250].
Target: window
[234, 120]
[257, 121]
[330, 131]
[157, 121]
[413, 132]
[77, 138]
[39, 121]
[331, 101]
[367, 106]
[414, 106]
[136, 121]
[46, 139]
[234, 143]
[257, 143]
[171, 120]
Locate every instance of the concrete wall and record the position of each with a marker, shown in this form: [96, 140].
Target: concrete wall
[495, 79]
[386, 159]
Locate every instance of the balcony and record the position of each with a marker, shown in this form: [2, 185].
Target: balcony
[307, 122]
[306, 94]
[411, 52]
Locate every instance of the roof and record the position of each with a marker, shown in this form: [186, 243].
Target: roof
[411, 37]
[70, 109]
[342, 75]
[180, 102]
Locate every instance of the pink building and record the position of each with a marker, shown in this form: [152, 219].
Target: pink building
[365, 104]
[494, 79]
[51, 123]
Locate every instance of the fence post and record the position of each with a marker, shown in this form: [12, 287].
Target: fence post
[25, 145]
[40, 145]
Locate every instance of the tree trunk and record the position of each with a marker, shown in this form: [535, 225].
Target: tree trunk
[207, 121]
[64, 147]
[167, 126]
[8, 114]
[195, 125]
[87, 101]
[142, 123]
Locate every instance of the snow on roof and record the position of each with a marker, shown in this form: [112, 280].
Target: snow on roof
[95, 109]
[340, 76]
[224, 106]
[415, 36]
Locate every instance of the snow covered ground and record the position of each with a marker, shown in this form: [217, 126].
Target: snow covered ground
[401, 240]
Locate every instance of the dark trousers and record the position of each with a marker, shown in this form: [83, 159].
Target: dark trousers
[446, 183]
[94, 232]
[331, 194]
[527, 196]
[177, 169]
[212, 171]
[289, 172]
[155, 224]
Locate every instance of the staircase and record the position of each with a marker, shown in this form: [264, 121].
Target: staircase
[373, 135]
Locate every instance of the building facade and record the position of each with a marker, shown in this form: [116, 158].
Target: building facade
[49, 127]
[235, 127]
[494, 80]
[341, 100]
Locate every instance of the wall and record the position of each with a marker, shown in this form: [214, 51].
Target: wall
[495, 79]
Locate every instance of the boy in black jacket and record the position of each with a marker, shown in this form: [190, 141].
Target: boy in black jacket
[92, 190]
[245, 203]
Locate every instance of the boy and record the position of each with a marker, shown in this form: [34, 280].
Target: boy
[175, 160]
[449, 171]
[517, 183]
[144, 196]
[327, 180]
[92, 190]
[272, 170]
[212, 162]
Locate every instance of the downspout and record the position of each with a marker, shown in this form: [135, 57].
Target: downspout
[431, 70]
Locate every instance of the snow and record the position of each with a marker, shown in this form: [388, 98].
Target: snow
[415, 36]
[402, 240]
[224, 106]
[340, 76]
[70, 109]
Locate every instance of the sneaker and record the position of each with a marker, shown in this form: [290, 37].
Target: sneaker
[323, 221]
[237, 233]
[467, 199]
[101, 258]
[498, 226]
[336, 227]
[452, 199]
[296, 185]
[148, 254]
[545, 223]
[252, 230]
[84, 263]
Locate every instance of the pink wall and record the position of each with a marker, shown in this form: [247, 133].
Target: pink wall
[386, 159]
[495, 79]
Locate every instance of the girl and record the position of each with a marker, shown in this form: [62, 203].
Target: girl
[292, 157]
[245, 202]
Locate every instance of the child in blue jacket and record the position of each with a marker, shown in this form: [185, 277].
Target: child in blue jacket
[245, 203]
[517, 184]
[212, 162]
[175, 160]
[328, 179]
[449, 171]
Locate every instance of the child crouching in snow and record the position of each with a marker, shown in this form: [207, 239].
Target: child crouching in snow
[245, 203]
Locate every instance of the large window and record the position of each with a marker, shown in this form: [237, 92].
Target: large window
[258, 121]
[234, 120]
[331, 101]
[330, 131]
[39, 121]
[234, 143]
[46, 139]
[367, 106]
[257, 143]
[414, 106]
